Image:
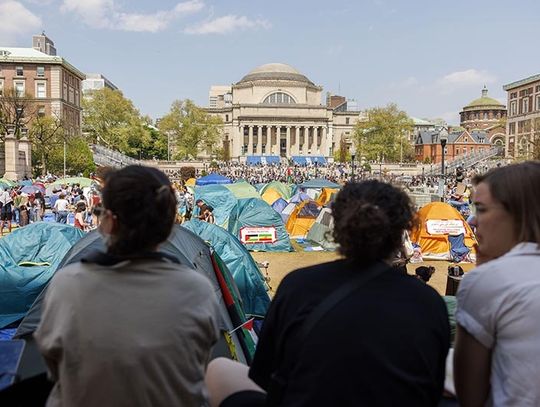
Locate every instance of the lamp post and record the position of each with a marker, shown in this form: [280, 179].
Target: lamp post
[353, 155]
[443, 137]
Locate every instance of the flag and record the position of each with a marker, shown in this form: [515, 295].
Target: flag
[246, 325]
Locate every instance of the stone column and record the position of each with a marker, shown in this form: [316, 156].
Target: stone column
[314, 150]
[259, 140]
[288, 142]
[324, 143]
[305, 146]
[11, 149]
[250, 141]
[26, 147]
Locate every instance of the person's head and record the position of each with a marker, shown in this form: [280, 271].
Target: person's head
[369, 220]
[199, 203]
[507, 210]
[140, 208]
[81, 207]
[61, 196]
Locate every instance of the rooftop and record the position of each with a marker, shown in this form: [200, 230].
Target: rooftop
[522, 82]
[275, 71]
[484, 101]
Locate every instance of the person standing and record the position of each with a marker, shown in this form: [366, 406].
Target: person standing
[6, 213]
[61, 206]
[131, 326]
[497, 354]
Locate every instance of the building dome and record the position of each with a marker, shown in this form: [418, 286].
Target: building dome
[484, 102]
[275, 72]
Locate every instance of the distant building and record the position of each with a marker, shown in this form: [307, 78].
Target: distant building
[523, 123]
[486, 114]
[96, 81]
[276, 111]
[459, 144]
[420, 125]
[51, 82]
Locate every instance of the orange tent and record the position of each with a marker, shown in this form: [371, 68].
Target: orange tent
[270, 196]
[326, 196]
[302, 218]
[436, 221]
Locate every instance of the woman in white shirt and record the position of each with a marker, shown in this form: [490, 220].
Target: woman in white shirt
[61, 206]
[497, 355]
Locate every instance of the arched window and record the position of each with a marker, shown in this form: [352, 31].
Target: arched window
[279, 98]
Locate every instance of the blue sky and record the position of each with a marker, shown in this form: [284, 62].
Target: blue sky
[429, 57]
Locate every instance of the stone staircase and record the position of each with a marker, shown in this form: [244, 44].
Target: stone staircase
[466, 161]
[106, 157]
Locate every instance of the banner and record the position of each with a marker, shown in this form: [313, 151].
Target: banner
[252, 235]
[445, 227]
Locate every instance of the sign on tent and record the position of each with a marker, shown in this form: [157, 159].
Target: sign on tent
[252, 235]
[445, 227]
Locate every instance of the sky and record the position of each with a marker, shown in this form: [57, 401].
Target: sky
[431, 58]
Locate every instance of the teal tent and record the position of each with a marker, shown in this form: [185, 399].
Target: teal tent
[246, 274]
[258, 226]
[319, 183]
[29, 257]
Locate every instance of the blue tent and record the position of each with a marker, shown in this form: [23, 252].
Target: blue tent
[246, 274]
[221, 199]
[253, 214]
[213, 179]
[310, 159]
[319, 183]
[279, 205]
[262, 159]
[29, 257]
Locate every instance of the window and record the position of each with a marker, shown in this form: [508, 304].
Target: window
[41, 90]
[1, 87]
[279, 98]
[512, 128]
[485, 116]
[41, 111]
[19, 88]
[65, 95]
[513, 108]
[226, 117]
[19, 71]
[513, 95]
[347, 120]
[538, 102]
[525, 105]
[40, 71]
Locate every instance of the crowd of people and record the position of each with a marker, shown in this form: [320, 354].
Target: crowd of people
[349, 332]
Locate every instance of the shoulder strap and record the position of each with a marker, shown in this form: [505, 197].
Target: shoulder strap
[339, 295]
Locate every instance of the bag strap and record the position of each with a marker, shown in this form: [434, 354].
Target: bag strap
[344, 291]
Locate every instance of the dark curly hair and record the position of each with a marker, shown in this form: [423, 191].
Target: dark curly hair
[369, 220]
[144, 203]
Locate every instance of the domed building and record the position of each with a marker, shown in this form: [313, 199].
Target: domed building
[486, 114]
[276, 112]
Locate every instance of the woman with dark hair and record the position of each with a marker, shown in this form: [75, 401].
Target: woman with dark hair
[132, 326]
[497, 355]
[353, 332]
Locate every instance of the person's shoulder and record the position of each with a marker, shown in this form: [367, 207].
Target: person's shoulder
[307, 274]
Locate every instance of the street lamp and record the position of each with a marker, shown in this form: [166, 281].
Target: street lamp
[443, 137]
[353, 155]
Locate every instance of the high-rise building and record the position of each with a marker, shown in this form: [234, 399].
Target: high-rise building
[96, 81]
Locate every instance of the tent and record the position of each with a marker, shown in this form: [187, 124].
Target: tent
[190, 182]
[279, 205]
[82, 181]
[302, 218]
[284, 190]
[299, 197]
[437, 221]
[321, 230]
[251, 284]
[318, 184]
[213, 179]
[242, 190]
[327, 195]
[193, 252]
[270, 196]
[29, 257]
[258, 226]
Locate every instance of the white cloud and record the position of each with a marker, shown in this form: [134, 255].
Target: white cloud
[467, 78]
[15, 21]
[106, 14]
[227, 24]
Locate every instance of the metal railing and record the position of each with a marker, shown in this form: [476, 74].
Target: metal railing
[465, 161]
[105, 156]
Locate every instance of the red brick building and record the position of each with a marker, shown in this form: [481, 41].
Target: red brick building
[460, 143]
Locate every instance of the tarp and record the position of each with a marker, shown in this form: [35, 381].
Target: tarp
[262, 159]
[302, 218]
[284, 190]
[319, 183]
[191, 251]
[247, 276]
[82, 181]
[279, 205]
[321, 230]
[41, 246]
[307, 160]
[436, 221]
[242, 190]
[213, 179]
[253, 214]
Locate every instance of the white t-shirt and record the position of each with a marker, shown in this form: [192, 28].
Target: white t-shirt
[499, 305]
[5, 197]
[61, 205]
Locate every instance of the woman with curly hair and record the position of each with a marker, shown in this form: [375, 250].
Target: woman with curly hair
[353, 332]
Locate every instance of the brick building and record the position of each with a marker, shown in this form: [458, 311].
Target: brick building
[523, 123]
[51, 83]
[460, 143]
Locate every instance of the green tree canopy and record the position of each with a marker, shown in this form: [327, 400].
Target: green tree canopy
[46, 134]
[190, 129]
[384, 134]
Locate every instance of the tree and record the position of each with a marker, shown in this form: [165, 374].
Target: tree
[111, 120]
[190, 129]
[79, 157]
[342, 155]
[15, 110]
[384, 134]
[46, 134]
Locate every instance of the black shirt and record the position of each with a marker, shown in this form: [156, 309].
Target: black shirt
[384, 345]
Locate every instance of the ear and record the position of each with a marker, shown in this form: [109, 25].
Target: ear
[108, 222]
